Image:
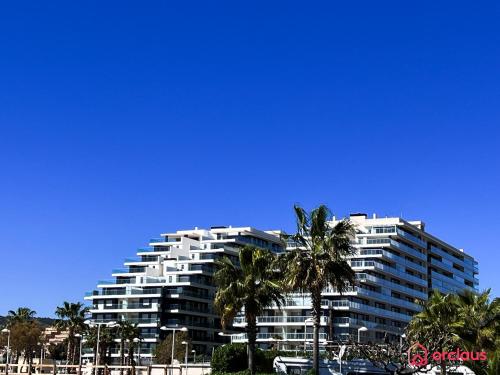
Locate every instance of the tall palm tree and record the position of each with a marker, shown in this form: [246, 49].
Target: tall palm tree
[478, 327]
[126, 332]
[71, 318]
[318, 260]
[434, 325]
[252, 286]
[22, 314]
[478, 321]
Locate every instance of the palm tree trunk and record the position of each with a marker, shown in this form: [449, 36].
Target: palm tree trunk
[443, 367]
[252, 337]
[30, 361]
[316, 313]
[331, 329]
[122, 354]
[131, 357]
[70, 347]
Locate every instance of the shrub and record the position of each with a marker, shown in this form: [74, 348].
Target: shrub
[229, 358]
[232, 358]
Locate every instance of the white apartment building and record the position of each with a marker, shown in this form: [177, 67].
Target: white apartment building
[170, 284]
[397, 263]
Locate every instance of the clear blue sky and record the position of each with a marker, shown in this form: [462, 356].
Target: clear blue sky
[122, 120]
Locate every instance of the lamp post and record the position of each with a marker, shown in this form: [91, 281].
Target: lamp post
[341, 354]
[5, 330]
[308, 320]
[90, 323]
[80, 349]
[80, 338]
[194, 355]
[173, 329]
[41, 357]
[138, 339]
[361, 329]
[186, 359]
[403, 336]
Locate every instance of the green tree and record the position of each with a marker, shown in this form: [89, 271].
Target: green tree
[319, 260]
[127, 332]
[57, 351]
[478, 320]
[434, 325]
[250, 286]
[163, 351]
[478, 327]
[106, 341]
[71, 318]
[25, 336]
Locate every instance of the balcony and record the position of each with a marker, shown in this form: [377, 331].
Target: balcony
[394, 286]
[272, 320]
[124, 292]
[412, 238]
[397, 258]
[374, 310]
[157, 240]
[389, 299]
[388, 269]
[408, 250]
[278, 337]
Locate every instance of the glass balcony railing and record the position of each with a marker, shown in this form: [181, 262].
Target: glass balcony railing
[124, 291]
[394, 257]
[409, 250]
[374, 325]
[157, 240]
[389, 269]
[128, 270]
[457, 274]
[280, 319]
[391, 285]
[387, 298]
[278, 336]
[412, 238]
[372, 309]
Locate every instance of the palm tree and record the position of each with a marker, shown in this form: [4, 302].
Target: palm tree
[478, 320]
[318, 260]
[434, 324]
[252, 286]
[478, 327]
[126, 332]
[22, 314]
[71, 318]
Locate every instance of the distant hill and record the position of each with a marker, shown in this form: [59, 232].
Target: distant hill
[44, 322]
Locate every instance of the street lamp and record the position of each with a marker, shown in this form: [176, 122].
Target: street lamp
[194, 355]
[401, 338]
[173, 329]
[138, 339]
[186, 359]
[361, 329]
[90, 323]
[41, 356]
[308, 320]
[341, 354]
[80, 338]
[5, 330]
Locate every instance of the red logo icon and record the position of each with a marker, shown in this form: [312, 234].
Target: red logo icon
[418, 355]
